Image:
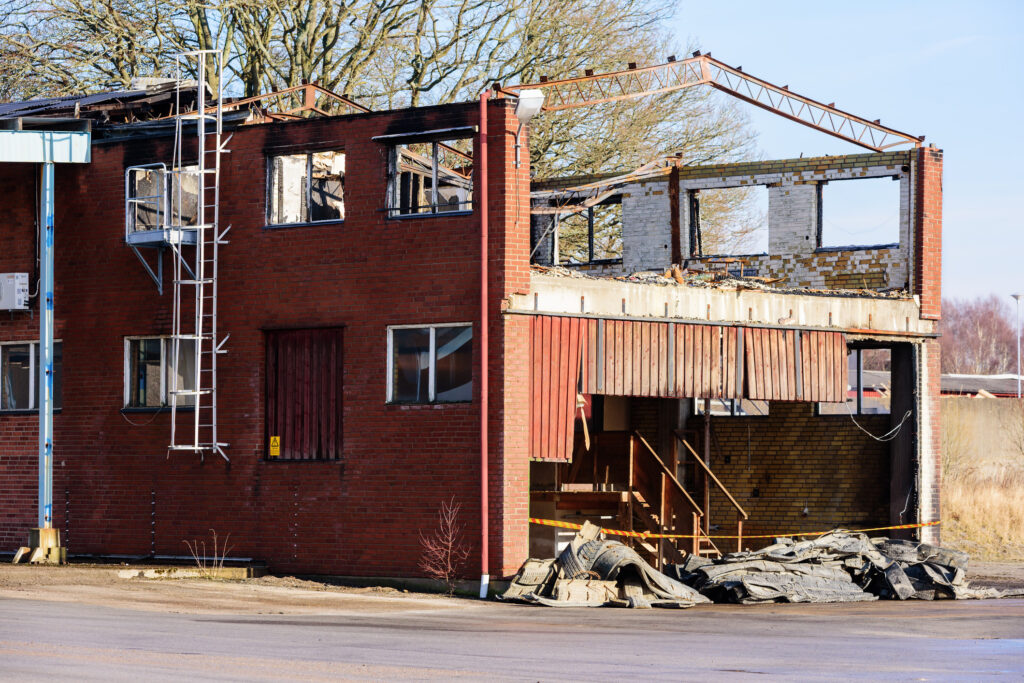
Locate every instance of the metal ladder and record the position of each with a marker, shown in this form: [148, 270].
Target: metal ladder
[195, 271]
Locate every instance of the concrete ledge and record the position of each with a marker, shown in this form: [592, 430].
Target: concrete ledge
[230, 573]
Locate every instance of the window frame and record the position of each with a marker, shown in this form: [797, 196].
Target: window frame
[431, 370]
[165, 403]
[392, 201]
[858, 377]
[308, 152]
[614, 200]
[34, 351]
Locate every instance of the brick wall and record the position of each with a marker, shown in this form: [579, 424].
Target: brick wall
[928, 232]
[343, 517]
[799, 460]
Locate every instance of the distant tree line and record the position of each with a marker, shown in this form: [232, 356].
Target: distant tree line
[979, 336]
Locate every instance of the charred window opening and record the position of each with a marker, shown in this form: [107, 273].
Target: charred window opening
[593, 235]
[159, 198]
[431, 177]
[306, 188]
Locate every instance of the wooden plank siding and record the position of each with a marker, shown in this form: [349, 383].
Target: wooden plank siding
[557, 353]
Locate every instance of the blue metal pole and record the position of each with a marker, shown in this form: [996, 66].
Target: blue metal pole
[45, 384]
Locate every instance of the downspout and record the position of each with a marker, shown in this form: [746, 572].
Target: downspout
[484, 349]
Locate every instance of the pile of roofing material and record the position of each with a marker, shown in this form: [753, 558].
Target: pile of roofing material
[594, 572]
[839, 566]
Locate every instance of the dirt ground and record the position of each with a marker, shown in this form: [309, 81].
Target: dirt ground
[100, 585]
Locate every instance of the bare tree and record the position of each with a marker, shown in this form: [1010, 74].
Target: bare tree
[444, 550]
[978, 336]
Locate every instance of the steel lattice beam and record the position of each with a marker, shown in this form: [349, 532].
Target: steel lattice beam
[569, 93]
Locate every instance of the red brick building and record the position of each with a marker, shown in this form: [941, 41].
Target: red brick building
[354, 318]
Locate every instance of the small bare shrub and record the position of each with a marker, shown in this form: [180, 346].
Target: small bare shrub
[444, 551]
[209, 565]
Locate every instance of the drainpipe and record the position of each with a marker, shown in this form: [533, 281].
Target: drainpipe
[484, 347]
[45, 382]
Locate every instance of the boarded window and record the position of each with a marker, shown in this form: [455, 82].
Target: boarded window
[304, 394]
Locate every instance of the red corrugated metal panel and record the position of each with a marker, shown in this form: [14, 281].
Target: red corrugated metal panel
[557, 351]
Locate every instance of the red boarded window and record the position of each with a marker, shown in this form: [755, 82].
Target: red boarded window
[304, 394]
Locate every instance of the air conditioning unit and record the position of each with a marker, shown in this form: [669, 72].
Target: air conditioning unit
[13, 291]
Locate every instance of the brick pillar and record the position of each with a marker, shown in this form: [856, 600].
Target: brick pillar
[929, 440]
[509, 199]
[928, 232]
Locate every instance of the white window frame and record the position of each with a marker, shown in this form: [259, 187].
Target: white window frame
[431, 383]
[165, 343]
[33, 372]
[308, 189]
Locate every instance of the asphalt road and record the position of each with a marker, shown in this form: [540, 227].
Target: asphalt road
[894, 641]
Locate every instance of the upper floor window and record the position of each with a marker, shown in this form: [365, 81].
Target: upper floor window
[159, 197]
[592, 235]
[19, 375]
[431, 177]
[306, 188]
[150, 376]
[430, 364]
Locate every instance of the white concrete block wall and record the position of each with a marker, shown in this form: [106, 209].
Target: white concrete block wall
[646, 227]
[792, 218]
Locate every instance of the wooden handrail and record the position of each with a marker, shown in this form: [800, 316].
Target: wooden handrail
[721, 487]
[671, 475]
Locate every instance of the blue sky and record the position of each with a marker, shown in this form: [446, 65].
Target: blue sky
[951, 71]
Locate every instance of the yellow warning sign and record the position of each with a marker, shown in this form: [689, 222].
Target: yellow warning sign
[275, 447]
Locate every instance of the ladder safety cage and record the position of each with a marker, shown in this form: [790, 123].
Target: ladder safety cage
[194, 206]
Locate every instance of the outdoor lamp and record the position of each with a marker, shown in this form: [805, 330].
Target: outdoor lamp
[527, 106]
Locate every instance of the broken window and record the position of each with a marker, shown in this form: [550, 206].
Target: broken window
[430, 364]
[307, 188]
[431, 177]
[160, 198]
[732, 407]
[859, 212]
[592, 235]
[305, 372]
[19, 375]
[150, 376]
[728, 220]
[868, 391]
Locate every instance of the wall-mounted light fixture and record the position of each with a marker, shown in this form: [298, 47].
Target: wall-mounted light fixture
[528, 105]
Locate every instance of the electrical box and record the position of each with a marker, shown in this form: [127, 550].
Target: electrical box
[13, 291]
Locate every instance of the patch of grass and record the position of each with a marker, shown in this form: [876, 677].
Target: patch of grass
[983, 477]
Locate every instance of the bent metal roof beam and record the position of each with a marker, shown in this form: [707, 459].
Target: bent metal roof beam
[568, 93]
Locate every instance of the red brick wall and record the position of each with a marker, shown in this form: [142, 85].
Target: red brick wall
[799, 460]
[930, 441]
[928, 232]
[360, 515]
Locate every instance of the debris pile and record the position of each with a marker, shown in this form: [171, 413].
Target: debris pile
[593, 572]
[839, 566]
[721, 279]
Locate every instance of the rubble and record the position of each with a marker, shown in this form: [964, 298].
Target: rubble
[594, 572]
[718, 279]
[840, 566]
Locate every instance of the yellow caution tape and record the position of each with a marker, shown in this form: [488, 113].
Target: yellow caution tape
[647, 534]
